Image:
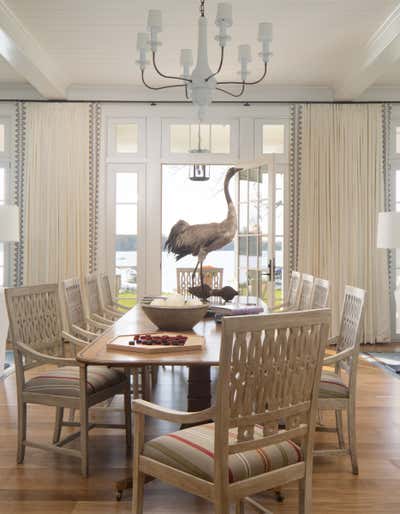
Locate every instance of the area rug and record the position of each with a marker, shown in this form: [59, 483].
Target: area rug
[390, 360]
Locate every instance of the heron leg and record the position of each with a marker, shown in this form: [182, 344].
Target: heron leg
[194, 273]
[202, 279]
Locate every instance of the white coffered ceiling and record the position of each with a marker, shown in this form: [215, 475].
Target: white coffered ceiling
[322, 49]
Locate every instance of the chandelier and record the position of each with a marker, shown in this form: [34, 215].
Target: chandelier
[200, 84]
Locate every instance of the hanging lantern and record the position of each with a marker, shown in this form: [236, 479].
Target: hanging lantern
[200, 172]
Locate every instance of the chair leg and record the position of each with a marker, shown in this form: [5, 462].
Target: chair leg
[146, 388]
[239, 508]
[58, 424]
[138, 476]
[128, 417]
[84, 420]
[22, 412]
[71, 416]
[135, 383]
[351, 424]
[339, 427]
[154, 375]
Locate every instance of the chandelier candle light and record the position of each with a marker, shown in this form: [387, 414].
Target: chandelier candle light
[200, 84]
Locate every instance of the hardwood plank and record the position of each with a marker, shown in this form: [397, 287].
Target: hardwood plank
[52, 484]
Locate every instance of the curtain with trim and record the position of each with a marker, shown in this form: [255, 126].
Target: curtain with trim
[342, 191]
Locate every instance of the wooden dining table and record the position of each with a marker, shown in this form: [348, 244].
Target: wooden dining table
[199, 362]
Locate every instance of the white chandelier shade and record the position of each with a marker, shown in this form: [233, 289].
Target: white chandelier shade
[200, 83]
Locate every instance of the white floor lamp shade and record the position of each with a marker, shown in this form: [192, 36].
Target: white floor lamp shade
[9, 223]
[388, 230]
[9, 231]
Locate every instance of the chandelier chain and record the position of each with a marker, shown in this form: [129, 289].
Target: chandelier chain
[202, 8]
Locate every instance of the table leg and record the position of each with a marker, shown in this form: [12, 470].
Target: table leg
[199, 390]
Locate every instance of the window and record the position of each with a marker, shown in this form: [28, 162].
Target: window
[126, 231]
[127, 138]
[273, 139]
[184, 138]
[2, 201]
[2, 138]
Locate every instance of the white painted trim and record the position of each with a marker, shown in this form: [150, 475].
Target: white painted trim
[126, 92]
[23, 52]
[379, 54]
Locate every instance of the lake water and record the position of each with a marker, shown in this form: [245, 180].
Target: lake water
[219, 259]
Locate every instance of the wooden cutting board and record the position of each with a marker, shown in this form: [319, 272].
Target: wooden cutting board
[193, 342]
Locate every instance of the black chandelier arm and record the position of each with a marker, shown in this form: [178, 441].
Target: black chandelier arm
[161, 87]
[167, 76]
[219, 67]
[233, 94]
[248, 83]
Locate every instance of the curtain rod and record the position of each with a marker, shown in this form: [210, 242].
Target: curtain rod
[247, 103]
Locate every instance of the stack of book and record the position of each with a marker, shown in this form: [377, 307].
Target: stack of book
[235, 309]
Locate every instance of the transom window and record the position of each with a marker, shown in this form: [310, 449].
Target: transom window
[214, 138]
[273, 139]
[126, 138]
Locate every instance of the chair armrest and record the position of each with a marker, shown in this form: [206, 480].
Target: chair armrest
[156, 411]
[41, 357]
[121, 306]
[97, 324]
[101, 319]
[333, 340]
[74, 340]
[112, 313]
[85, 333]
[337, 357]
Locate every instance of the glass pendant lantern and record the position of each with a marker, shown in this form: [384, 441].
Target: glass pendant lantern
[199, 172]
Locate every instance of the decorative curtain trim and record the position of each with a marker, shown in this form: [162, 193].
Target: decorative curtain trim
[94, 174]
[19, 190]
[389, 202]
[295, 139]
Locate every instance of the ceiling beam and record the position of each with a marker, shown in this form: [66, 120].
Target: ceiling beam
[380, 53]
[22, 51]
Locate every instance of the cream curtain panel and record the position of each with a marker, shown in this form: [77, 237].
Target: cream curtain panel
[342, 191]
[57, 192]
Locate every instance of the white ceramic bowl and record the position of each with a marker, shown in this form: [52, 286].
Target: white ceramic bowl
[175, 318]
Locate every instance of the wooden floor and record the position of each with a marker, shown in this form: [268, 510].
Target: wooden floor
[47, 483]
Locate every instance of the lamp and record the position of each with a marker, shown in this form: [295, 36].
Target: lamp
[388, 230]
[9, 231]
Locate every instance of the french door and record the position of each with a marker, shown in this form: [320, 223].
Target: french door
[260, 240]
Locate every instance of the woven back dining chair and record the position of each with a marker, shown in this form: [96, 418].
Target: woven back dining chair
[78, 322]
[320, 293]
[270, 368]
[293, 294]
[213, 277]
[109, 303]
[37, 338]
[96, 311]
[306, 289]
[338, 385]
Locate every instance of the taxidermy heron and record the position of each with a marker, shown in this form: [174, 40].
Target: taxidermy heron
[199, 240]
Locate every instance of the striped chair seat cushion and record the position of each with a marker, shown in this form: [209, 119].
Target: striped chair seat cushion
[332, 386]
[192, 450]
[65, 380]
